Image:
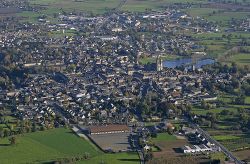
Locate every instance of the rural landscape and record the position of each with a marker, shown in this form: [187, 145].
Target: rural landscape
[124, 81]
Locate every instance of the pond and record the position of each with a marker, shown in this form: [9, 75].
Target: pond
[187, 62]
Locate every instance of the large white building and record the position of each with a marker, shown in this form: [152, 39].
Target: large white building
[195, 149]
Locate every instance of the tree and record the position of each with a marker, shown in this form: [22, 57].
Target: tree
[6, 132]
[1, 131]
[244, 118]
[148, 156]
[34, 127]
[12, 140]
[240, 100]
[224, 112]
[86, 155]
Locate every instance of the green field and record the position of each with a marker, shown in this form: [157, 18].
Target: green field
[102, 6]
[240, 59]
[203, 112]
[233, 142]
[200, 12]
[45, 146]
[226, 16]
[217, 43]
[93, 6]
[140, 6]
[219, 15]
[225, 137]
[123, 158]
[164, 137]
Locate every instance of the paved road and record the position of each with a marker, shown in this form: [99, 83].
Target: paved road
[223, 149]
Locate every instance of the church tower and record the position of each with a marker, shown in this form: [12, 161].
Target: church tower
[159, 64]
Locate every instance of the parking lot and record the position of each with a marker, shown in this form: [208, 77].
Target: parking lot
[114, 141]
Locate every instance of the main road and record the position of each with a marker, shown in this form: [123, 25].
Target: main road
[210, 139]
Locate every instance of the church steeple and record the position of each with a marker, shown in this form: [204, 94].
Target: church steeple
[159, 65]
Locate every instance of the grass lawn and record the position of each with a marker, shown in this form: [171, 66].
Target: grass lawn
[151, 123]
[123, 158]
[164, 137]
[44, 146]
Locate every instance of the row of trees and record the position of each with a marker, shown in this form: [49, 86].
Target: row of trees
[75, 159]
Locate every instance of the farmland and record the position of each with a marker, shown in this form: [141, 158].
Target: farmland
[216, 15]
[44, 146]
[103, 6]
[219, 44]
[243, 154]
[234, 142]
[52, 145]
[95, 6]
[140, 6]
[240, 59]
[123, 158]
[226, 130]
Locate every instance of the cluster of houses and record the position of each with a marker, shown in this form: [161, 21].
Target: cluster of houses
[239, 26]
[198, 143]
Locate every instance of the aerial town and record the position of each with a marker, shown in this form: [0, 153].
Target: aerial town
[158, 86]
